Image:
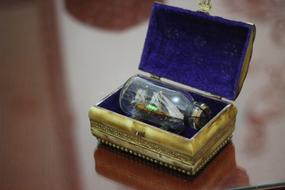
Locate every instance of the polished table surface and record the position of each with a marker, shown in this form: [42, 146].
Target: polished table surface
[60, 57]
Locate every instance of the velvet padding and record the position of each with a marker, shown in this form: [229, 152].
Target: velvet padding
[193, 48]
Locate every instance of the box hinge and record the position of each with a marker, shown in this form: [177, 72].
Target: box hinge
[220, 98]
[154, 77]
[215, 96]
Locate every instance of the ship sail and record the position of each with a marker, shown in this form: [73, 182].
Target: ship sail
[161, 101]
[140, 96]
[155, 100]
[172, 109]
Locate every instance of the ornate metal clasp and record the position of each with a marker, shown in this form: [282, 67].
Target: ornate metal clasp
[205, 6]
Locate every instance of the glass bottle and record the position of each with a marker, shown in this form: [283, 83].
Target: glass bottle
[161, 105]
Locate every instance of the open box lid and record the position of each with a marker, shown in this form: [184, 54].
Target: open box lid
[193, 48]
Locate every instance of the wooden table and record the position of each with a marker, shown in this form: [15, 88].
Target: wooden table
[59, 58]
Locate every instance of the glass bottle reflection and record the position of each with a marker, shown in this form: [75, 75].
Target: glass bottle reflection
[161, 105]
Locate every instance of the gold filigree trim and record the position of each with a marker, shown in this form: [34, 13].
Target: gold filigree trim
[172, 142]
[137, 140]
[205, 6]
[225, 122]
[159, 150]
[170, 166]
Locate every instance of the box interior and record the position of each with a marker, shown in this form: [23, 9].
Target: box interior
[112, 103]
[199, 50]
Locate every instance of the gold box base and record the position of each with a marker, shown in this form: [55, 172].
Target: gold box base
[184, 155]
[153, 160]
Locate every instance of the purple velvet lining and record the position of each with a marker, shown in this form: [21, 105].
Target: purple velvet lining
[196, 49]
[112, 103]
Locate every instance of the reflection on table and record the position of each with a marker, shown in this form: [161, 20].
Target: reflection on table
[221, 172]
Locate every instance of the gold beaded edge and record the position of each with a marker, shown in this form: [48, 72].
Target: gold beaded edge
[170, 166]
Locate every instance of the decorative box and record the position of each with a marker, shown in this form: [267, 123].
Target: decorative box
[110, 163]
[207, 56]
